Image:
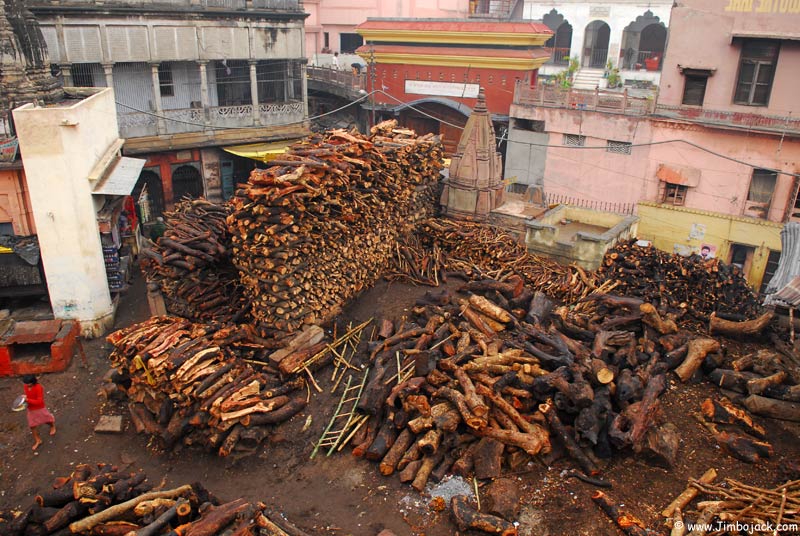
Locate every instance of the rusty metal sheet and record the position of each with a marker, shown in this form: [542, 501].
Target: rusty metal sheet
[34, 331]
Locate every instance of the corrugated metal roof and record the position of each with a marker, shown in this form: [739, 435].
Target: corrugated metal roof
[789, 295]
[784, 288]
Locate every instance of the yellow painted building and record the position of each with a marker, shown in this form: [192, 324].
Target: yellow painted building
[752, 243]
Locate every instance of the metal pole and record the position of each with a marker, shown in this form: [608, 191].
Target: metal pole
[372, 77]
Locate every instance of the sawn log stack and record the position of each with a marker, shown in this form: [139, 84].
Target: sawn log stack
[321, 224]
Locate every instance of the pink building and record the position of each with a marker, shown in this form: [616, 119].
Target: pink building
[720, 142]
[330, 26]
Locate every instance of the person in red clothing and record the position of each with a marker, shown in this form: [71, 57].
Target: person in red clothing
[37, 412]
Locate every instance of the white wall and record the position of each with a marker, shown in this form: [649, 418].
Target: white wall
[616, 14]
[60, 146]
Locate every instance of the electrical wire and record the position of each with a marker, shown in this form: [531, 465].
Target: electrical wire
[459, 127]
[646, 144]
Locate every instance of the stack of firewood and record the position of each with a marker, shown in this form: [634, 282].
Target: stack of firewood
[191, 264]
[319, 226]
[469, 384]
[475, 251]
[102, 499]
[672, 281]
[189, 382]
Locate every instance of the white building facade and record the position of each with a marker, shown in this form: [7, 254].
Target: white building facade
[631, 35]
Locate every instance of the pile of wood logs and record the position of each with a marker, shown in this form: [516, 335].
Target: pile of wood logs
[674, 282]
[765, 382]
[103, 500]
[189, 382]
[487, 378]
[475, 251]
[191, 264]
[320, 225]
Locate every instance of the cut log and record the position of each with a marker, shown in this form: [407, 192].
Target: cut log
[698, 349]
[651, 317]
[747, 328]
[488, 458]
[776, 409]
[568, 440]
[731, 380]
[215, 518]
[723, 411]
[396, 452]
[467, 517]
[660, 445]
[628, 523]
[756, 386]
[117, 510]
[681, 501]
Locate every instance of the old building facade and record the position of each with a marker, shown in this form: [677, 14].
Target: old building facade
[189, 78]
[711, 162]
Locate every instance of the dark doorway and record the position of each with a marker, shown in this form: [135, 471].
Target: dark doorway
[149, 196]
[595, 45]
[561, 40]
[186, 182]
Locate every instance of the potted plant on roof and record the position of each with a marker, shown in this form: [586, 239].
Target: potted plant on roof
[651, 63]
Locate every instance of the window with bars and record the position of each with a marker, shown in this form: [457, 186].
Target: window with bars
[574, 140]
[756, 71]
[165, 82]
[674, 194]
[82, 74]
[618, 147]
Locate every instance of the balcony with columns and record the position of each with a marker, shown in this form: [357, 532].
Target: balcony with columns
[205, 102]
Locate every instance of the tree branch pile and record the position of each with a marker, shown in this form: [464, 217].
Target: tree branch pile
[475, 382]
[319, 226]
[103, 500]
[674, 282]
[474, 250]
[191, 264]
[189, 382]
[758, 510]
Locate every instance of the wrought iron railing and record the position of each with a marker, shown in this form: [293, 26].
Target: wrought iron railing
[596, 58]
[580, 99]
[559, 56]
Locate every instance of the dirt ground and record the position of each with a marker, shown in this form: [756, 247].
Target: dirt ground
[342, 495]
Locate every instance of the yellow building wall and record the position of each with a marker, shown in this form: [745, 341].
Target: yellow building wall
[683, 230]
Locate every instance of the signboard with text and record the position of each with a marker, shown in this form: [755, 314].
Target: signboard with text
[8, 149]
[442, 89]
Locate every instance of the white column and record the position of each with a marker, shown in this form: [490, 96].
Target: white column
[254, 92]
[162, 129]
[303, 67]
[108, 69]
[66, 70]
[204, 91]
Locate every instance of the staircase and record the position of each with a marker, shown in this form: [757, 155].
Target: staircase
[589, 79]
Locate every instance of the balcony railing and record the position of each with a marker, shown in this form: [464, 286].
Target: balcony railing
[750, 121]
[185, 120]
[342, 78]
[595, 58]
[558, 56]
[578, 99]
[499, 9]
[282, 5]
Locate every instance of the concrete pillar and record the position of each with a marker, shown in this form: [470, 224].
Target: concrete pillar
[66, 70]
[162, 128]
[74, 140]
[254, 92]
[108, 69]
[304, 79]
[204, 91]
